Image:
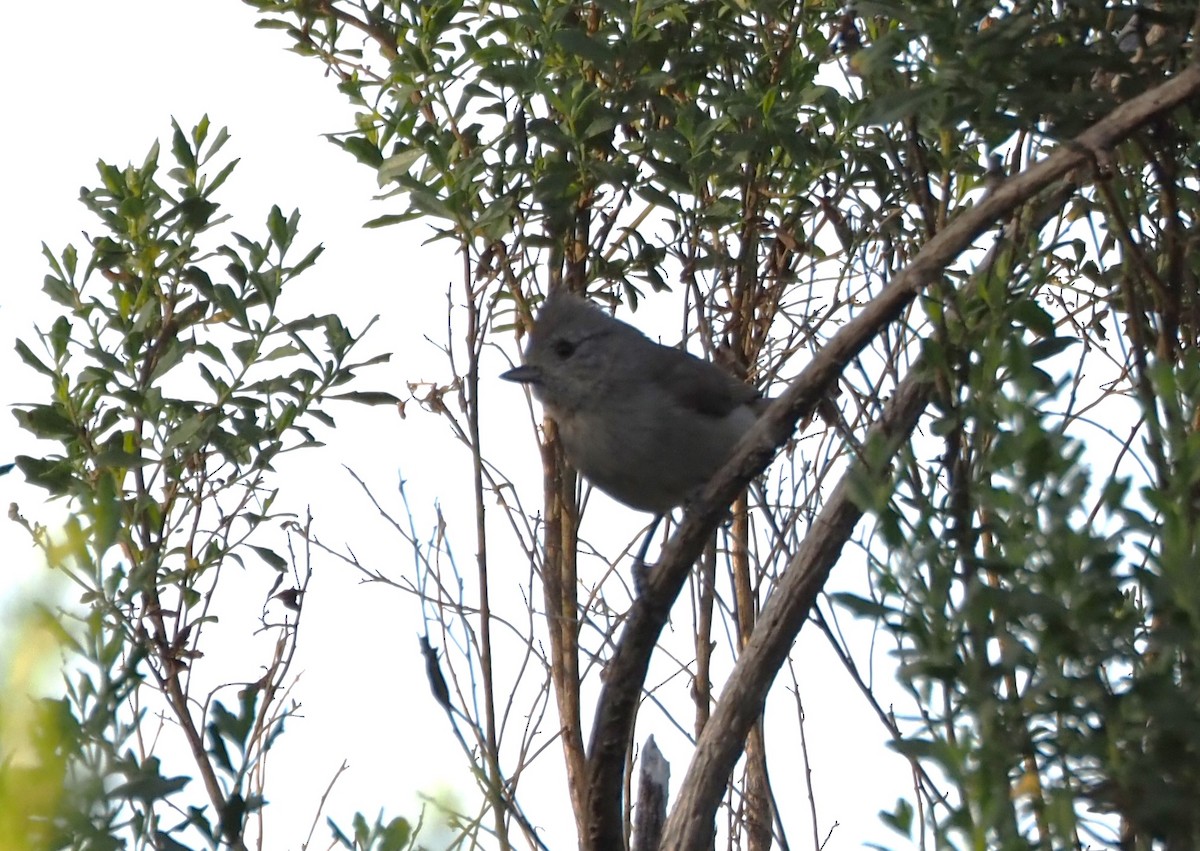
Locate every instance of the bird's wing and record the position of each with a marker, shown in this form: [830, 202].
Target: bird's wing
[702, 386]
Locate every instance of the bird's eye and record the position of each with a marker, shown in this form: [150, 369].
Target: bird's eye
[563, 348]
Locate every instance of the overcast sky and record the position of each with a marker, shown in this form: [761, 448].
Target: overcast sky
[85, 81]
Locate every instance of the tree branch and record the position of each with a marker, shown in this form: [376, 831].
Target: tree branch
[691, 821]
[719, 746]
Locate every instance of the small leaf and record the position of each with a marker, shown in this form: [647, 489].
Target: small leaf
[398, 165]
[277, 226]
[862, 606]
[107, 516]
[284, 351]
[363, 150]
[147, 785]
[271, 557]
[579, 43]
[60, 336]
[900, 819]
[391, 219]
[1042, 349]
[59, 290]
[367, 397]
[185, 432]
[1034, 317]
[309, 260]
[181, 149]
[338, 835]
[897, 105]
[164, 841]
[45, 421]
[31, 359]
[395, 836]
[216, 746]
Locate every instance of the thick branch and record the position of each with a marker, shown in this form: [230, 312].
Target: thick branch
[691, 819]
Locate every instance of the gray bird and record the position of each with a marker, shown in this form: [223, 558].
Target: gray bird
[647, 424]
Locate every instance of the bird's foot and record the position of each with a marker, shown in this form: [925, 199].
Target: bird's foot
[641, 577]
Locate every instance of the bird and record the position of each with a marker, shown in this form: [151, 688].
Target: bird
[645, 423]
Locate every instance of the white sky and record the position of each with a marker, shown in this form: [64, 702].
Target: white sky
[84, 81]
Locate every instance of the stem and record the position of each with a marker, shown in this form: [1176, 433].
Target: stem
[492, 753]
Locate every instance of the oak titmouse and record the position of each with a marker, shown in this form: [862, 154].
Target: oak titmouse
[646, 423]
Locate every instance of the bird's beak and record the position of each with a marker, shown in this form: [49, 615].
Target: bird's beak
[523, 375]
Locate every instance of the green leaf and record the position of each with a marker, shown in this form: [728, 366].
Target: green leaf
[60, 336]
[216, 744]
[181, 149]
[31, 360]
[306, 323]
[217, 143]
[146, 784]
[578, 43]
[59, 290]
[395, 836]
[196, 212]
[340, 837]
[285, 351]
[656, 196]
[1034, 317]
[282, 230]
[245, 350]
[224, 173]
[363, 150]
[164, 841]
[398, 165]
[391, 219]
[198, 820]
[1042, 349]
[862, 606]
[272, 558]
[107, 514]
[367, 397]
[46, 421]
[897, 105]
[900, 819]
[186, 431]
[170, 355]
[309, 260]
[229, 725]
[114, 453]
[200, 131]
